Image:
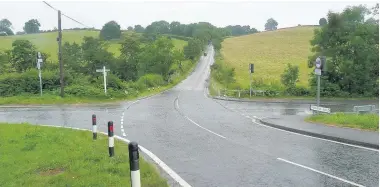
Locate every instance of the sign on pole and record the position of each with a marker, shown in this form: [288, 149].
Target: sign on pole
[251, 70]
[320, 109]
[104, 71]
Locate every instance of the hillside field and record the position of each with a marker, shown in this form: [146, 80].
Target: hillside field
[47, 42]
[270, 52]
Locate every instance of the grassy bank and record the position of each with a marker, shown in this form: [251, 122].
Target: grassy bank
[357, 121]
[47, 156]
[270, 52]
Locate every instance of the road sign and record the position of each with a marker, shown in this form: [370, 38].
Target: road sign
[251, 68]
[318, 63]
[104, 71]
[320, 109]
[364, 108]
[318, 71]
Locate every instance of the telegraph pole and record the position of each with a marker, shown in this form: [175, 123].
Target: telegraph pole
[60, 53]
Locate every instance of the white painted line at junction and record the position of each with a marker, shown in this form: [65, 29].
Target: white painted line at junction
[357, 146]
[208, 130]
[320, 172]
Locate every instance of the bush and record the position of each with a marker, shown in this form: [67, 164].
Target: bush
[84, 91]
[150, 80]
[28, 82]
[297, 91]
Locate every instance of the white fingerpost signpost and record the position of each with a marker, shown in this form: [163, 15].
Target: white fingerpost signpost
[320, 66]
[104, 71]
[39, 61]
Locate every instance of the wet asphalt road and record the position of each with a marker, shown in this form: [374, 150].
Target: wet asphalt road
[210, 145]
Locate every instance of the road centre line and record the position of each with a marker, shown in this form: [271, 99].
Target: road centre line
[320, 172]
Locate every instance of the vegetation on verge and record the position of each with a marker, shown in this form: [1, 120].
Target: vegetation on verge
[41, 160]
[358, 121]
[348, 39]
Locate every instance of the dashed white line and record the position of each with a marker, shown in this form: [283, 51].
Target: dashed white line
[320, 172]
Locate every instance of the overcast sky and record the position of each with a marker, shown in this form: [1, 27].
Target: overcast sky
[96, 13]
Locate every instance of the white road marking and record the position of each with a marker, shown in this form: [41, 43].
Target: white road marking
[124, 134]
[210, 131]
[122, 126]
[357, 146]
[320, 172]
[159, 162]
[122, 130]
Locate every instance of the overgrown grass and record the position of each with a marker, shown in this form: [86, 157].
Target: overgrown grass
[270, 52]
[358, 121]
[47, 156]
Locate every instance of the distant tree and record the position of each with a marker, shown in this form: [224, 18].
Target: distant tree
[5, 26]
[130, 28]
[271, 25]
[111, 30]
[32, 26]
[128, 60]
[22, 55]
[322, 21]
[139, 29]
[290, 76]
[175, 28]
[193, 49]
[20, 32]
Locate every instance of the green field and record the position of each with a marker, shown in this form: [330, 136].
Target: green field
[47, 42]
[357, 121]
[46, 156]
[270, 52]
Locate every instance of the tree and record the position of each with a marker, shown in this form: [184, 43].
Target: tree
[290, 76]
[110, 30]
[193, 49]
[139, 29]
[72, 57]
[129, 58]
[32, 26]
[95, 55]
[271, 25]
[322, 21]
[350, 43]
[156, 58]
[5, 26]
[130, 28]
[22, 55]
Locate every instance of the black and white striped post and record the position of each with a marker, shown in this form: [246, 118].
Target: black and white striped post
[134, 164]
[111, 142]
[94, 133]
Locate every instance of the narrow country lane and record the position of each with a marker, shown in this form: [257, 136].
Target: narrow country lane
[208, 144]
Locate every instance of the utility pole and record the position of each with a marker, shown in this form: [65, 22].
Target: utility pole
[104, 71]
[60, 53]
[251, 70]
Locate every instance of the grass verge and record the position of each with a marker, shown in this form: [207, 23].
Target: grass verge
[47, 156]
[357, 121]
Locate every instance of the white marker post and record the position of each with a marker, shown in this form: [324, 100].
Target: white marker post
[39, 61]
[134, 167]
[104, 71]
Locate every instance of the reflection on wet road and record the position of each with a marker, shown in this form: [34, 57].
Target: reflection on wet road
[209, 145]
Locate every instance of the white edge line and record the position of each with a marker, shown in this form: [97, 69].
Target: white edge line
[320, 172]
[124, 134]
[357, 146]
[165, 167]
